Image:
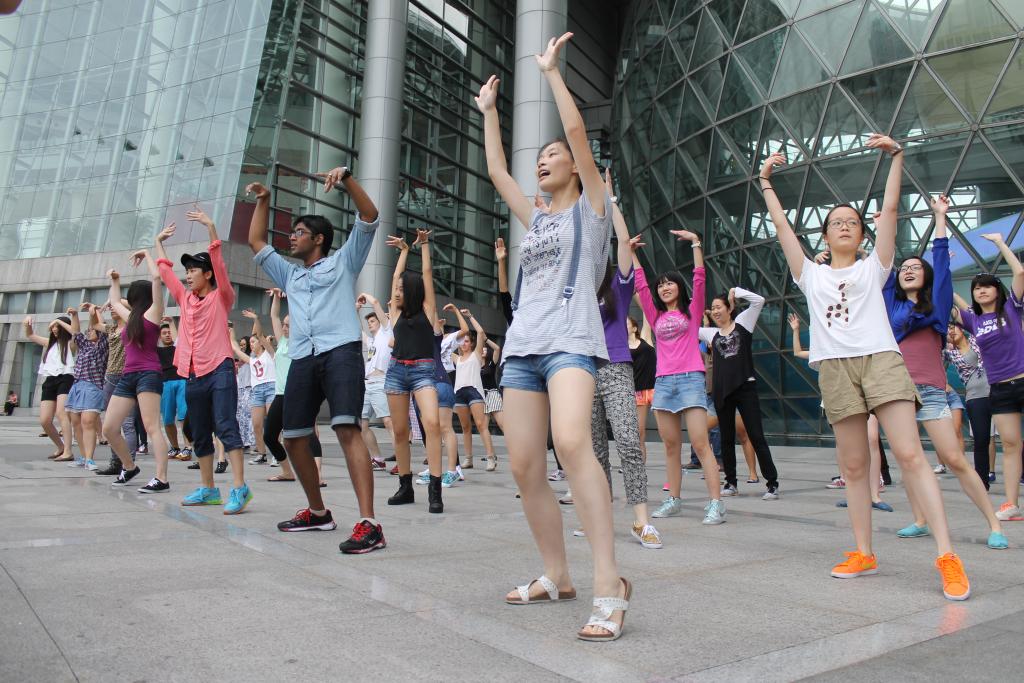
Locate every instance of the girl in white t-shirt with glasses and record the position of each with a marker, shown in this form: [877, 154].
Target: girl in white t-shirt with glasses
[860, 367]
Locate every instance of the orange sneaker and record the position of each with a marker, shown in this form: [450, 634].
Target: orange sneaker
[856, 564]
[955, 585]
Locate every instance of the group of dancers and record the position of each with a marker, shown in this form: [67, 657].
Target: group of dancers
[572, 360]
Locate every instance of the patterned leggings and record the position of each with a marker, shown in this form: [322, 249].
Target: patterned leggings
[243, 413]
[614, 397]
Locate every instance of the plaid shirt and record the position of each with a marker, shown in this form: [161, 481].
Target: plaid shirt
[91, 361]
[956, 359]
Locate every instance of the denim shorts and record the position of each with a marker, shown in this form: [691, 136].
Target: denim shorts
[132, 384]
[172, 401]
[467, 396]
[712, 412]
[676, 393]
[375, 401]
[934, 405]
[407, 377]
[532, 373]
[85, 397]
[954, 401]
[263, 395]
[445, 395]
[212, 409]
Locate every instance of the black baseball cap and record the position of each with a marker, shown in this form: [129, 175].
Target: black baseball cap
[200, 260]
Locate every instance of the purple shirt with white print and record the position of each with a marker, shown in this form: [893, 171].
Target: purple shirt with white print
[615, 336]
[1001, 346]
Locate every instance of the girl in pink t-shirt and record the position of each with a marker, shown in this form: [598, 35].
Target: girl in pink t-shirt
[679, 390]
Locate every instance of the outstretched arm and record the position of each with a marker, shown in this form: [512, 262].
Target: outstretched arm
[259, 224]
[463, 325]
[783, 230]
[95, 321]
[885, 224]
[429, 298]
[122, 311]
[497, 165]
[257, 329]
[798, 351]
[396, 278]
[495, 352]
[342, 177]
[366, 299]
[199, 216]
[1016, 269]
[481, 336]
[239, 353]
[166, 267]
[30, 332]
[748, 317]
[624, 253]
[156, 310]
[275, 311]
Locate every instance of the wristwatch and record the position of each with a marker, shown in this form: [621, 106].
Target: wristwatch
[695, 245]
[345, 173]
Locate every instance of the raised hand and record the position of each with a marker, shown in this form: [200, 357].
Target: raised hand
[422, 237]
[28, 322]
[250, 314]
[487, 100]
[940, 205]
[608, 182]
[113, 274]
[465, 312]
[199, 216]
[165, 319]
[684, 235]
[822, 257]
[500, 252]
[773, 160]
[138, 258]
[636, 243]
[277, 293]
[549, 60]
[449, 307]
[539, 202]
[883, 142]
[86, 306]
[332, 178]
[360, 301]
[396, 242]
[258, 190]
[70, 310]
[995, 237]
[794, 322]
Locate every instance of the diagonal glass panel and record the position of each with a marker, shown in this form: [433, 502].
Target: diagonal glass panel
[926, 109]
[672, 67]
[809, 7]
[662, 180]
[775, 138]
[851, 174]
[1009, 146]
[761, 16]
[816, 201]
[726, 166]
[759, 224]
[970, 74]
[931, 163]
[761, 56]
[1015, 9]
[695, 154]
[1008, 100]
[710, 43]
[692, 116]
[802, 113]
[968, 21]
[798, 67]
[788, 186]
[727, 13]
[913, 17]
[982, 176]
[742, 133]
[843, 128]
[681, 8]
[829, 33]
[878, 93]
[875, 43]
[738, 93]
[765, 263]
[661, 137]
[708, 83]
[682, 37]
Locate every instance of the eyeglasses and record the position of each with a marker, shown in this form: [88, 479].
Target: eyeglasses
[912, 268]
[840, 222]
[299, 232]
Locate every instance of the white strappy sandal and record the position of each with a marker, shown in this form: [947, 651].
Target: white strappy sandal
[553, 594]
[604, 608]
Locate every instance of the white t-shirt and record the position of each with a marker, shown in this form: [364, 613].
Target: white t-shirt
[378, 351]
[467, 373]
[51, 365]
[263, 369]
[846, 308]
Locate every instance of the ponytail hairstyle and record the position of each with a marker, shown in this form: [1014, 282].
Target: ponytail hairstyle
[924, 304]
[140, 298]
[724, 298]
[605, 295]
[990, 280]
[60, 337]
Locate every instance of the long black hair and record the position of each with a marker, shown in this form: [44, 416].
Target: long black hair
[924, 304]
[684, 296]
[140, 298]
[413, 294]
[60, 337]
[605, 294]
[990, 280]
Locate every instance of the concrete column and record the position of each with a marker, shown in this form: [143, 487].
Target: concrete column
[380, 138]
[534, 115]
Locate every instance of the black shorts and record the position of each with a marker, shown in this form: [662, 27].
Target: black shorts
[57, 385]
[335, 375]
[1007, 397]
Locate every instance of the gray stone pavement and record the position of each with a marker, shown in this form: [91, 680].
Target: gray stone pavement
[105, 585]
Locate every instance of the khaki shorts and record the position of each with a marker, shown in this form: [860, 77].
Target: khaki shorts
[852, 386]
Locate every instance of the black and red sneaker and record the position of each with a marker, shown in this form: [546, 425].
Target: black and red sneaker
[365, 538]
[304, 520]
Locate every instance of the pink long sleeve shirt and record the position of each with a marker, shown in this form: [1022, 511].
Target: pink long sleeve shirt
[203, 341]
[677, 343]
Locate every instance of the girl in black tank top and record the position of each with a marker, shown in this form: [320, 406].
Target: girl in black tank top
[413, 313]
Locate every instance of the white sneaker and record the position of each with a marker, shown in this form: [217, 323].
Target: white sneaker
[556, 475]
[770, 495]
[579, 532]
[939, 469]
[729, 490]
[647, 535]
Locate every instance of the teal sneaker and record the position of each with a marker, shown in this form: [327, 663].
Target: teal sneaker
[998, 541]
[913, 531]
[203, 496]
[714, 512]
[423, 478]
[238, 499]
[449, 479]
[672, 507]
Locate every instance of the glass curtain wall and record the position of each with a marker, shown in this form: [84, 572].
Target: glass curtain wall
[117, 115]
[706, 90]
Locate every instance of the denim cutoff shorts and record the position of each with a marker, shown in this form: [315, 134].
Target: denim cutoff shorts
[676, 393]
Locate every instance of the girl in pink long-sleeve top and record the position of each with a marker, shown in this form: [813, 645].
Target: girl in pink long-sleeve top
[679, 390]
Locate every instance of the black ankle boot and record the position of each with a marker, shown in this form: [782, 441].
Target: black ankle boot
[113, 468]
[404, 495]
[434, 495]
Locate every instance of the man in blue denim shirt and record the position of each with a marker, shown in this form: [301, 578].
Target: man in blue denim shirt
[325, 349]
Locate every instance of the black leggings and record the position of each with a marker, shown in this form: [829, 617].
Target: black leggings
[979, 414]
[272, 432]
[745, 400]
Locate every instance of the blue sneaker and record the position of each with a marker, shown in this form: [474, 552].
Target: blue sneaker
[714, 512]
[449, 479]
[672, 507]
[913, 531]
[997, 541]
[882, 505]
[238, 499]
[203, 496]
